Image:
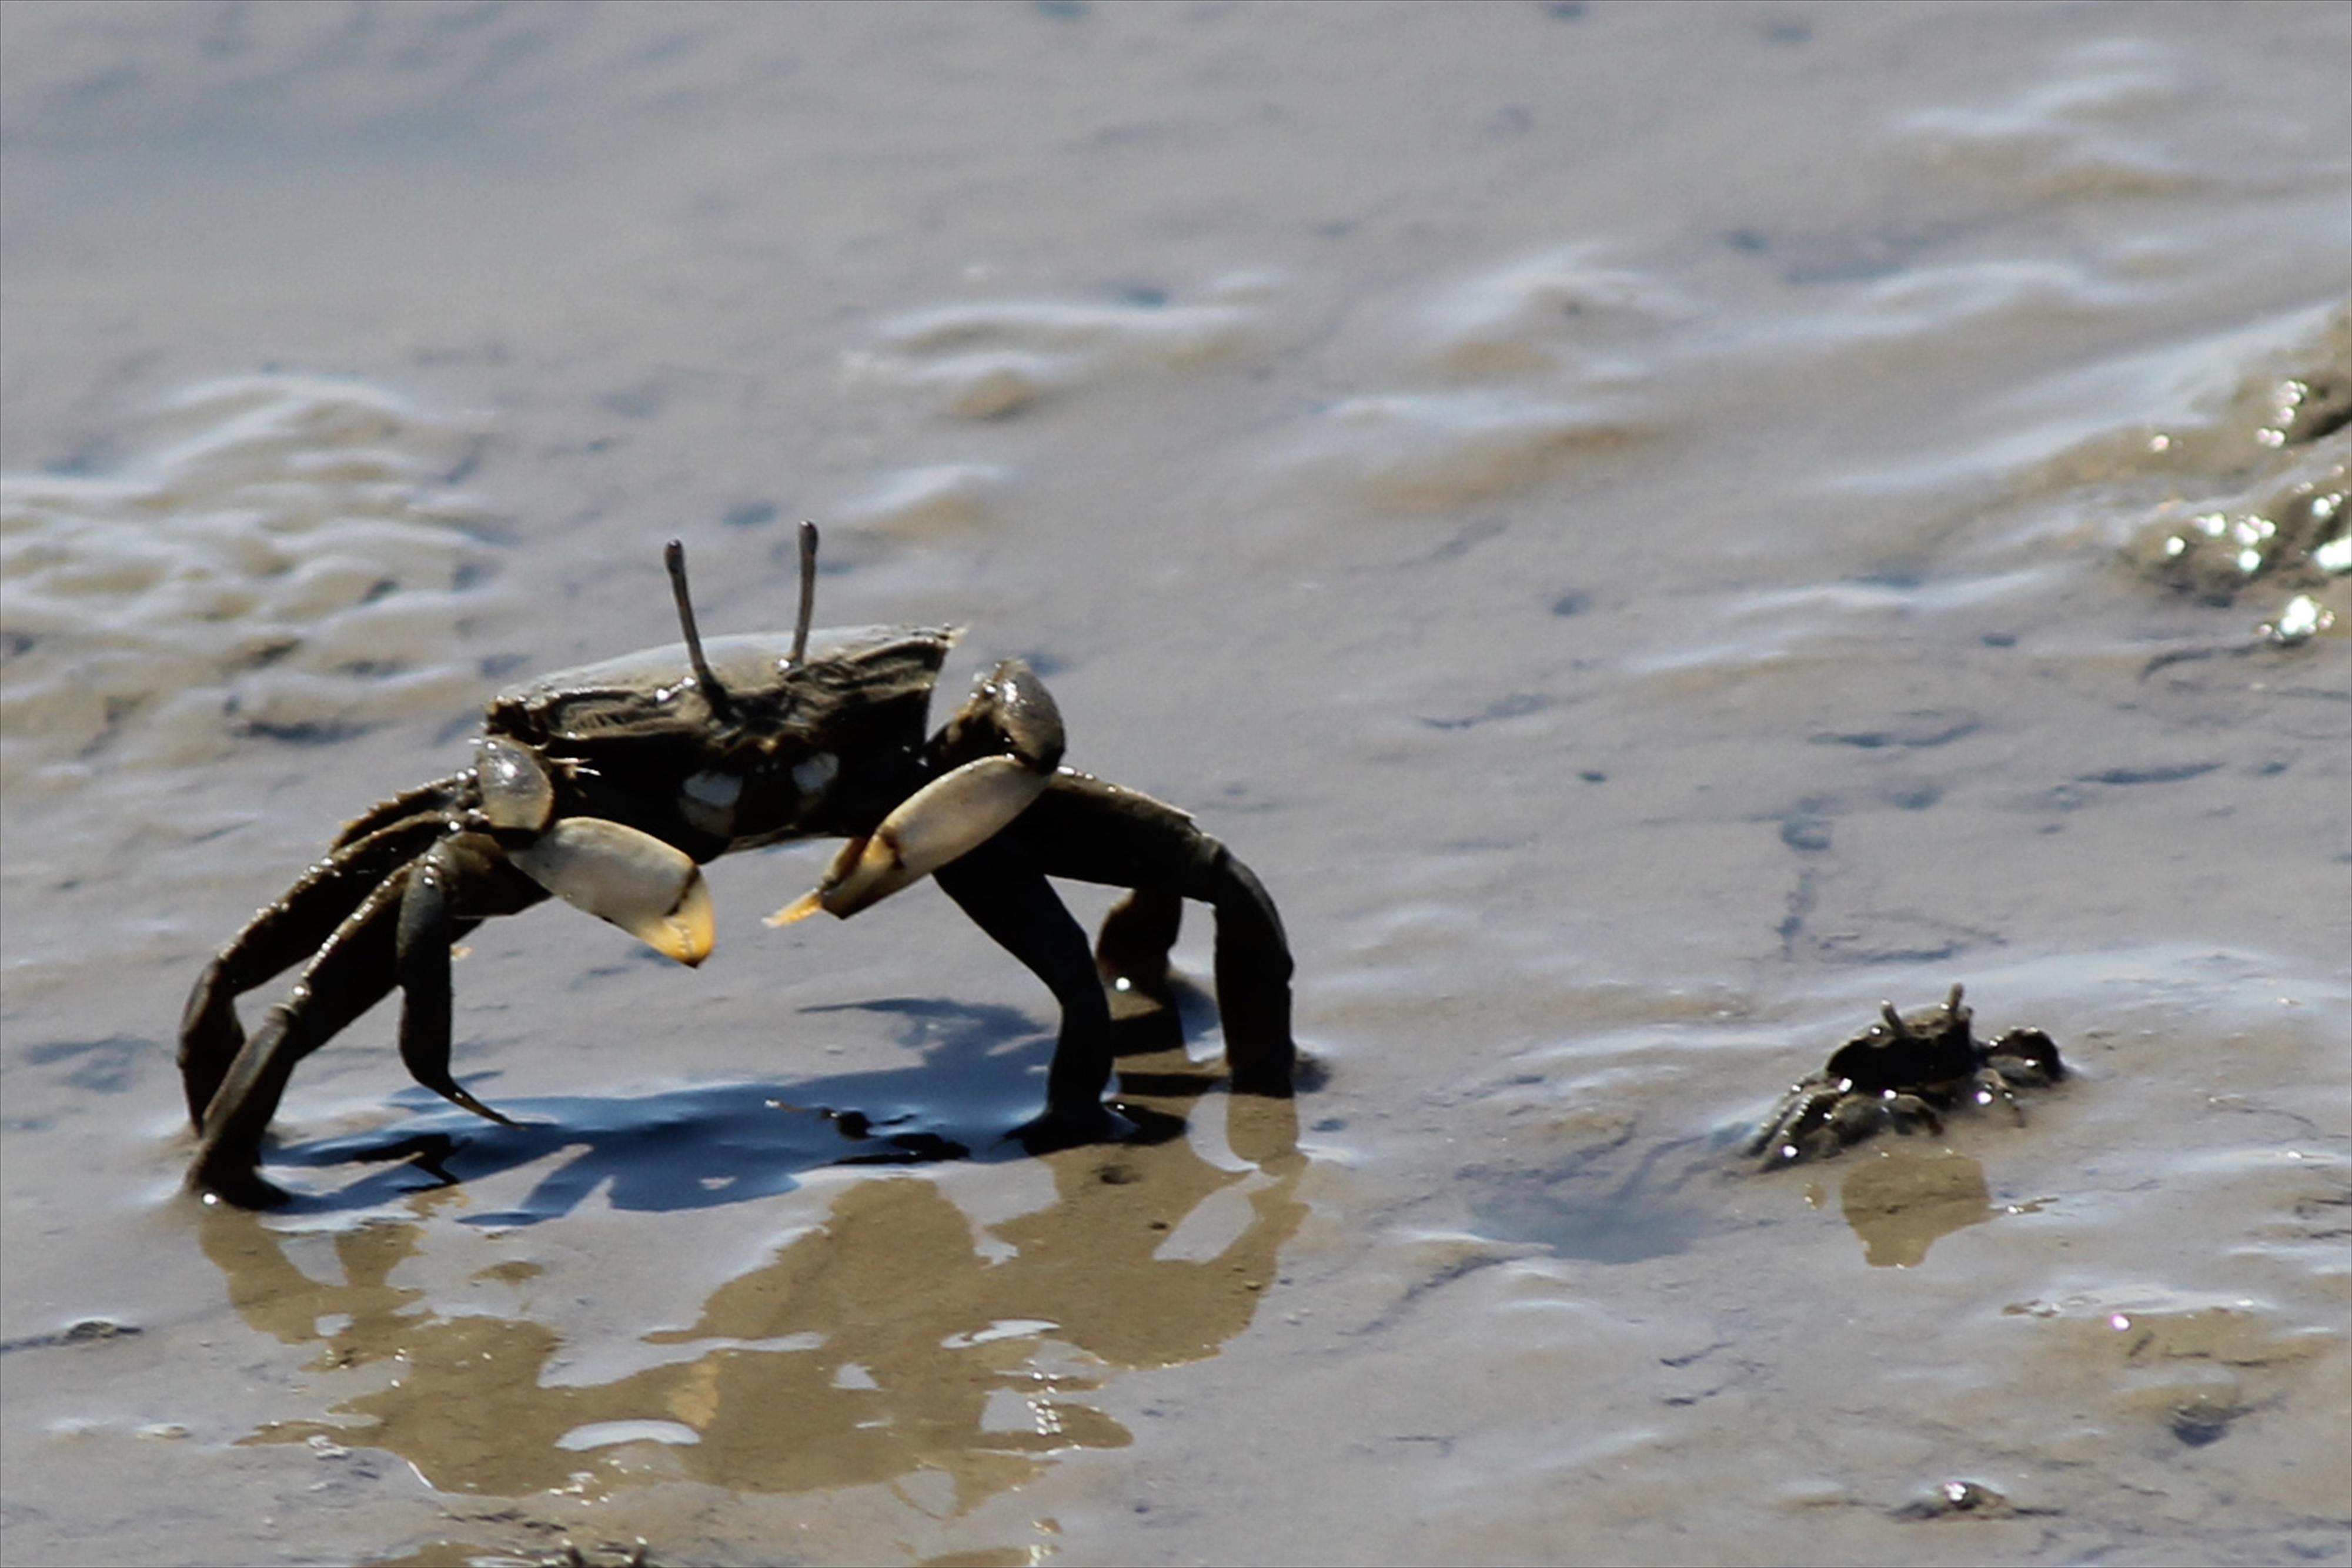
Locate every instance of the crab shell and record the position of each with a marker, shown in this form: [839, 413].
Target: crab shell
[626, 773]
[637, 735]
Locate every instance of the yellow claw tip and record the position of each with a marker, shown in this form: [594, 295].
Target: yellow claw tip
[800, 909]
[687, 933]
[679, 947]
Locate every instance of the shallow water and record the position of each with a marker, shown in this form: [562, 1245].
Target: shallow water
[1653, 529]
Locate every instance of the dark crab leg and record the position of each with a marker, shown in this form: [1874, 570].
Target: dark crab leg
[380, 944]
[1131, 952]
[435, 800]
[1000, 887]
[286, 932]
[463, 871]
[1090, 831]
[351, 972]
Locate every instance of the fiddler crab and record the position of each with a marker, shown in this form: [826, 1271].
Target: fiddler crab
[1901, 1073]
[608, 786]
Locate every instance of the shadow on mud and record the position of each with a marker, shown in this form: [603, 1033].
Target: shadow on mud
[981, 1075]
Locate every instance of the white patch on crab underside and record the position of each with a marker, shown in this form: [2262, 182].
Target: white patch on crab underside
[706, 800]
[815, 776]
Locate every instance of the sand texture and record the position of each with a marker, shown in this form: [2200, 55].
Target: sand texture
[1654, 529]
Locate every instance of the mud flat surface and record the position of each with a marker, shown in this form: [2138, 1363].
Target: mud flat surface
[1653, 528]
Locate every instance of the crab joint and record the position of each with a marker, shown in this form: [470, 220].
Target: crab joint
[948, 817]
[516, 793]
[648, 889]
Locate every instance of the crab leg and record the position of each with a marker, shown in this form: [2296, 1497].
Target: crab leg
[439, 881]
[1132, 950]
[1000, 887]
[1090, 831]
[433, 799]
[352, 970]
[290, 930]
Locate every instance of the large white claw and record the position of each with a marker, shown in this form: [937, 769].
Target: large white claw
[648, 889]
[952, 816]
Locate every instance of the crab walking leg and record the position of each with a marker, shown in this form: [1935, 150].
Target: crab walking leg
[439, 881]
[1137, 935]
[284, 933]
[352, 971]
[1000, 886]
[409, 806]
[1090, 831]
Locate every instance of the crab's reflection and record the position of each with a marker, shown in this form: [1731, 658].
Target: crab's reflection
[882, 1344]
[1901, 1204]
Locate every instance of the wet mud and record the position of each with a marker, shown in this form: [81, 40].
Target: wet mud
[1652, 528]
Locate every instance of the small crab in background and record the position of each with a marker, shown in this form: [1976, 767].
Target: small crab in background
[1903, 1072]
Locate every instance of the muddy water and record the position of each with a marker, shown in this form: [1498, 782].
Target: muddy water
[1653, 528]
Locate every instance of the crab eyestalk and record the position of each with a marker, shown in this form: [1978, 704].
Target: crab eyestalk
[808, 593]
[721, 706]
